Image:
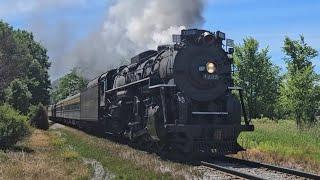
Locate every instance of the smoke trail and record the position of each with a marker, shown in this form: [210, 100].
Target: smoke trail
[132, 26]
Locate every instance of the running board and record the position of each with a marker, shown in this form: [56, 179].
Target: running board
[210, 113]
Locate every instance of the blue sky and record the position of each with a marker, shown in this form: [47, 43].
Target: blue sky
[267, 21]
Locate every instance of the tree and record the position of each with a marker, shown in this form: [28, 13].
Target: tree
[18, 96]
[299, 91]
[13, 56]
[37, 69]
[24, 58]
[69, 85]
[258, 76]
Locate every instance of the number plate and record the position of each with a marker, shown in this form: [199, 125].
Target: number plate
[211, 76]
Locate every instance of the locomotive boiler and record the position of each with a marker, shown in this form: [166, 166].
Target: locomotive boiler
[179, 96]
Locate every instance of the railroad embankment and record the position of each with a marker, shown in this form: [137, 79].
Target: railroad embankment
[66, 153]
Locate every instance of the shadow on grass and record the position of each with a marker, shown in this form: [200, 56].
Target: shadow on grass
[18, 148]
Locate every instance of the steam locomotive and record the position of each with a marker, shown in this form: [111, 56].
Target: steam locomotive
[179, 96]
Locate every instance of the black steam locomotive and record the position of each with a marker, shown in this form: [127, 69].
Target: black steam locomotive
[178, 95]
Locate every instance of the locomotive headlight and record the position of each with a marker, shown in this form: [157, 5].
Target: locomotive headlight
[211, 67]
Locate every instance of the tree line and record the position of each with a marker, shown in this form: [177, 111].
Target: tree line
[24, 78]
[24, 85]
[268, 93]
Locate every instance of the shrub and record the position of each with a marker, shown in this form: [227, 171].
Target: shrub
[39, 117]
[13, 126]
[18, 96]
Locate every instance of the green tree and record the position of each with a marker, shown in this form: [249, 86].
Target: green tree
[69, 85]
[299, 91]
[37, 69]
[18, 96]
[258, 76]
[24, 58]
[13, 56]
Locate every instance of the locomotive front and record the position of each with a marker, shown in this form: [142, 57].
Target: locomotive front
[200, 113]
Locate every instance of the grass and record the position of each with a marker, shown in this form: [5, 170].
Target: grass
[66, 153]
[3, 156]
[37, 157]
[70, 155]
[60, 153]
[282, 141]
[109, 155]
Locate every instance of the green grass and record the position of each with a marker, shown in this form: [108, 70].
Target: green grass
[121, 168]
[282, 138]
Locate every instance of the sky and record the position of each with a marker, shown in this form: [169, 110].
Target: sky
[60, 24]
[268, 22]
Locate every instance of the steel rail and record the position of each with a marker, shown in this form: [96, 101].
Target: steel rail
[273, 167]
[231, 171]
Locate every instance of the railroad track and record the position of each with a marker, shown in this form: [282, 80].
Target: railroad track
[255, 170]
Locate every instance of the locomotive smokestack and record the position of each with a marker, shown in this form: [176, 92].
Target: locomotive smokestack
[208, 38]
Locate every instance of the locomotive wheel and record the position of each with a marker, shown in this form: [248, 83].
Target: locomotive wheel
[155, 123]
[144, 143]
[119, 120]
[170, 152]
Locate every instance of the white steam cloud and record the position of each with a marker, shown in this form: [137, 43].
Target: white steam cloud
[132, 26]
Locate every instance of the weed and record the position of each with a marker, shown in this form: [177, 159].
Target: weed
[70, 155]
[57, 142]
